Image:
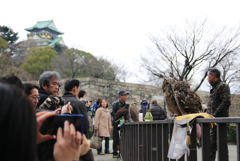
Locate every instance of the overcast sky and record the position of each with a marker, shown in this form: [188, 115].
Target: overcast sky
[114, 29]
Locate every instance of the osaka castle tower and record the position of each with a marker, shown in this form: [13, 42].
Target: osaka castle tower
[44, 33]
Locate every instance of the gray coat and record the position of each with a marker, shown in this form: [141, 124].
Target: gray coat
[78, 108]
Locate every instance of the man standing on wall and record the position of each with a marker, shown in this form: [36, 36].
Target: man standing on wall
[115, 107]
[218, 105]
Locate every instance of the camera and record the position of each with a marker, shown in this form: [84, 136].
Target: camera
[57, 100]
[89, 101]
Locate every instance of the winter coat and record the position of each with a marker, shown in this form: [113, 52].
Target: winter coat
[78, 108]
[158, 112]
[115, 107]
[219, 99]
[103, 122]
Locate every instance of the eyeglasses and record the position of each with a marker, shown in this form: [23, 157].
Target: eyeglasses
[36, 98]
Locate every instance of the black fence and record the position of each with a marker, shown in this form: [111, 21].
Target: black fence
[149, 141]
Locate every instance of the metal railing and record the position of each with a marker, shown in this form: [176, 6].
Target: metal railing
[149, 141]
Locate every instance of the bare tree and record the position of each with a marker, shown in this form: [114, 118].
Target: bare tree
[186, 53]
[230, 69]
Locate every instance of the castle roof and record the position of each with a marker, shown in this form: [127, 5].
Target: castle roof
[56, 40]
[44, 25]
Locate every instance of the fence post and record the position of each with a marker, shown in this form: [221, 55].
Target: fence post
[222, 142]
[192, 147]
[238, 141]
[205, 141]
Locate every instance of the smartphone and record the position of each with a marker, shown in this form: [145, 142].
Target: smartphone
[53, 123]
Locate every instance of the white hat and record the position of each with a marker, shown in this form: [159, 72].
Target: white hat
[204, 107]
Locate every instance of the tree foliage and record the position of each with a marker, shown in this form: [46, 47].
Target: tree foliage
[7, 34]
[186, 53]
[40, 60]
[60, 48]
[72, 62]
[77, 63]
[3, 45]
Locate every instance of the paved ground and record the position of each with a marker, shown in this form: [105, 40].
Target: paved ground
[108, 157]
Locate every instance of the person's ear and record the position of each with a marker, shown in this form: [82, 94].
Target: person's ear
[74, 89]
[44, 86]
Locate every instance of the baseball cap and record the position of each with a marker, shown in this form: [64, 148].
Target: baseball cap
[123, 92]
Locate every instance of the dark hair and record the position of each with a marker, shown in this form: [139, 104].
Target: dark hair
[18, 124]
[100, 103]
[28, 87]
[215, 71]
[81, 93]
[12, 80]
[71, 83]
[45, 78]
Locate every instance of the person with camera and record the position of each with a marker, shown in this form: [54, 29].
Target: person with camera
[72, 87]
[20, 136]
[82, 95]
[48, 90]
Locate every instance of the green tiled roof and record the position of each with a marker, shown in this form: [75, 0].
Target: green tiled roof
[43, 24]
[56, 40]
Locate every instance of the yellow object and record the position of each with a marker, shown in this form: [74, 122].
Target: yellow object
[148, 116]
[185, 119]
[190, 117]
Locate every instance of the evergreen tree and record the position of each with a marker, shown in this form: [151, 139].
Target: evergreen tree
[7, 34]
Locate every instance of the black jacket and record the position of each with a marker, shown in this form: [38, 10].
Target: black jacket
[115, 107]
[158, 112]
[78, 108]
[219, 99]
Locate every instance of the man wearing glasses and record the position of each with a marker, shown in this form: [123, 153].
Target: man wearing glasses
[48, 85]
[31, 91]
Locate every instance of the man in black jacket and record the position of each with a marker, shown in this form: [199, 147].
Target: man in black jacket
[218, 106]
[115, 107]
[72, 89]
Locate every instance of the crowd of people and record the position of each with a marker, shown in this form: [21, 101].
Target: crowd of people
[32, 102]
[25, 107]
[22, 126]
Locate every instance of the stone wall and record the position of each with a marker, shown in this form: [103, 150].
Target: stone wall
[99, 88]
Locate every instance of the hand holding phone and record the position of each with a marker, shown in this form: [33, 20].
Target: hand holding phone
[41, 116]
[68, 143]
[52, 124]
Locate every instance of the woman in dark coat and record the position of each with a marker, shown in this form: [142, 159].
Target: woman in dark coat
[158, 112]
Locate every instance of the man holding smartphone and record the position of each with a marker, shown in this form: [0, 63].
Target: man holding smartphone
[72, 87]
